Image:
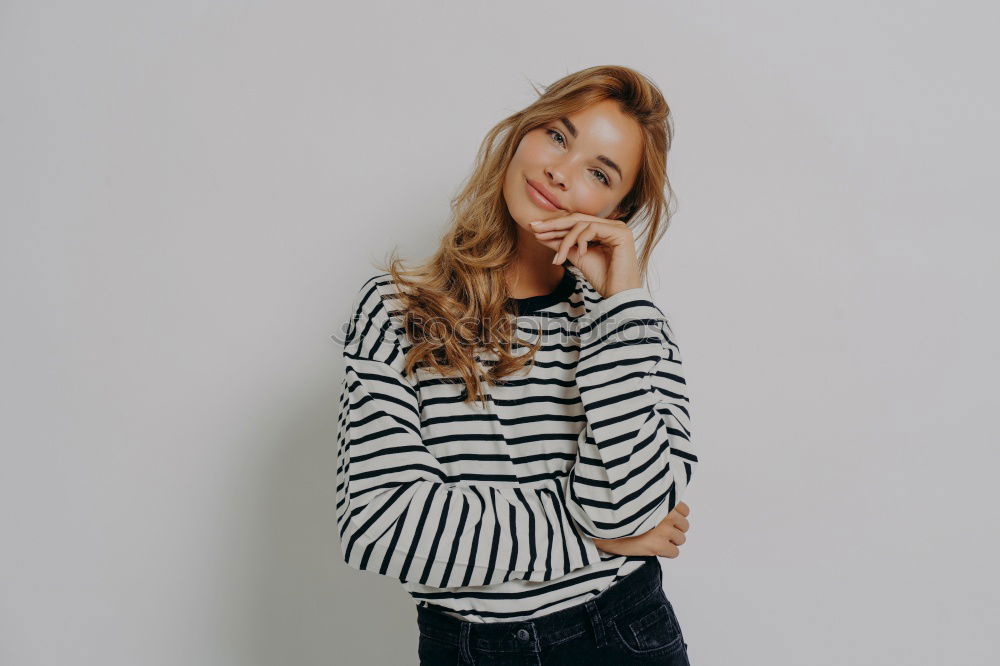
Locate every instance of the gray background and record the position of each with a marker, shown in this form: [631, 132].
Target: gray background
[191, 192]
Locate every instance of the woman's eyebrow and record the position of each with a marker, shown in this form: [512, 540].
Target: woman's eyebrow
[571, 128]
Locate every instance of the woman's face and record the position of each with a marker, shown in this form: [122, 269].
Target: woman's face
[573, 160]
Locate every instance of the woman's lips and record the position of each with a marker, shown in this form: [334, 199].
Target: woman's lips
[539, 200]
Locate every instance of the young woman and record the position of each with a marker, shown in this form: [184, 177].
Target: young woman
[515, 436]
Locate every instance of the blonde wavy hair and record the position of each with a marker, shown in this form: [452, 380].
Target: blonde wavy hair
[456, 303]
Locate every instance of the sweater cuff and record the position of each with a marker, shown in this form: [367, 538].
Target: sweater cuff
[610, 313]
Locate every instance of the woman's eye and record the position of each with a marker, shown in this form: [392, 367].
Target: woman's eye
[554, 133]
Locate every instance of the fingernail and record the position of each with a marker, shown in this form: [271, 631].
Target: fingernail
[534, 223]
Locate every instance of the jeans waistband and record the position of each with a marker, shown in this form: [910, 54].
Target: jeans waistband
[538, 633]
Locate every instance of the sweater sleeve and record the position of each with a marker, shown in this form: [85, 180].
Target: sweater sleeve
[399, 513]
[635, 455]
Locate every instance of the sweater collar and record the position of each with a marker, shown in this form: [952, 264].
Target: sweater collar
[566, 286]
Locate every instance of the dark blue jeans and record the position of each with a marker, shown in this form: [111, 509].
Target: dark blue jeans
[632, 622]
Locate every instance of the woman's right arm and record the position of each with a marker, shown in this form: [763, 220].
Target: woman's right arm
[664, 540]
[398, 512]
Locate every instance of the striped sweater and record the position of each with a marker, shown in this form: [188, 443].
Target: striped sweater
[490, 514]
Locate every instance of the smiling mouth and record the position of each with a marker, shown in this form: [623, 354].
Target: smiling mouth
[539, 198]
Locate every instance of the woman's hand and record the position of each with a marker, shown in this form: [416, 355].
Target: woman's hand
[663, 540]
[603, 250]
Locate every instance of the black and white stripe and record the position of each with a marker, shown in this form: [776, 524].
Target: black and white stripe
[490, 513]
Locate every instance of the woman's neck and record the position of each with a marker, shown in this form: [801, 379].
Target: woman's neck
[533, 273]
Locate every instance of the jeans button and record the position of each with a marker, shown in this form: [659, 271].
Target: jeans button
[522, 634]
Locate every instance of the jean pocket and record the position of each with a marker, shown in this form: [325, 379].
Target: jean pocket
[435, 651]
[650, 628]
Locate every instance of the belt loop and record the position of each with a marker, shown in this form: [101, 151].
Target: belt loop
[463, 642]
[596, 622]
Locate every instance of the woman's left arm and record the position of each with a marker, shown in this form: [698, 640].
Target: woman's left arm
[635, 457]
